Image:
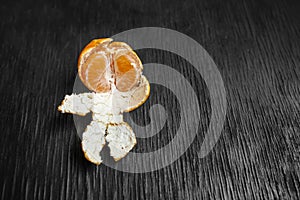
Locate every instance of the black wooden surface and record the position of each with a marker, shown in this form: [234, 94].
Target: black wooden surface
[255, 45]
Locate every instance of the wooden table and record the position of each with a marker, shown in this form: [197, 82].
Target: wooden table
[255, 45]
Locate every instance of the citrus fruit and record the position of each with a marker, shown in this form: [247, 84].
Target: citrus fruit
[104, 65]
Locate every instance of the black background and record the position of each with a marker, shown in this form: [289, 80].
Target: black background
[255, 45]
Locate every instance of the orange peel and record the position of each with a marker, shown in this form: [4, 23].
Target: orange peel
[113, 72]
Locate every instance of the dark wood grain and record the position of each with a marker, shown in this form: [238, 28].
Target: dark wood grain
[255, 45]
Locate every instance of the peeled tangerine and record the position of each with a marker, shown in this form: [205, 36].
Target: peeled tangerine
[113, 71]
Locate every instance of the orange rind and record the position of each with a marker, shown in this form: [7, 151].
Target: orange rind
[113, 72]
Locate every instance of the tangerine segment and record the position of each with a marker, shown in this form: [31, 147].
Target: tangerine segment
[97, 73]
[119, 45]
[128, 69]
[87, 51]
[103, 63]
